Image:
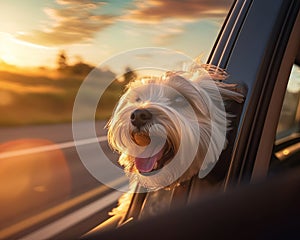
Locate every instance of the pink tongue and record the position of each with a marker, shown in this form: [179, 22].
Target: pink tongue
[147, 164]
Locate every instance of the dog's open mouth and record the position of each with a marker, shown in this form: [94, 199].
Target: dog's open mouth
[155, 156]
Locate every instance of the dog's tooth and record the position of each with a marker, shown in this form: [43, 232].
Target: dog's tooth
[156, 165]
[142, 139]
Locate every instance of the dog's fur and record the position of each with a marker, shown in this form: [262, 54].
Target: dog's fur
[187, 109]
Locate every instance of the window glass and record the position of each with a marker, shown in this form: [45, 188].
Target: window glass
[47, 48]
[287, 144]
[290, 112]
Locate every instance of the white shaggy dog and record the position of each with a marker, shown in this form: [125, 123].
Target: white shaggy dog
[168, 128]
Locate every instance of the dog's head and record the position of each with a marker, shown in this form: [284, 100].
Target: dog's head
[167, 128]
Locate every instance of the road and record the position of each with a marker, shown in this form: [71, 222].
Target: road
[61, 135]
[55, 132]
[41, 167]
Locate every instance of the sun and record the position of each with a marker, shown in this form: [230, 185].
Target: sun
[8, 58]
[8, 50]
[22, 54]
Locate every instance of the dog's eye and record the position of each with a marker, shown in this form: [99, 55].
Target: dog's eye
[179, 101]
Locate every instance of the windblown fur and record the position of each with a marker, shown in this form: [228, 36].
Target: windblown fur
[187, 109]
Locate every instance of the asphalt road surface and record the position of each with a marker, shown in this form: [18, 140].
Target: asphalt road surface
[55, 132]
[61, 136]
[41, 168]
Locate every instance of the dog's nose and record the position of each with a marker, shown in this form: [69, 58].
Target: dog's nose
[140, 117]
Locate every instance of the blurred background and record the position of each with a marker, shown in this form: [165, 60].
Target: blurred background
[47, 49]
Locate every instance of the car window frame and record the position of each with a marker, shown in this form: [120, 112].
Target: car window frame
[268, 138]
[258, 70]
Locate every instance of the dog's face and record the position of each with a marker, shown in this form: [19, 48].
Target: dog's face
[163, 128]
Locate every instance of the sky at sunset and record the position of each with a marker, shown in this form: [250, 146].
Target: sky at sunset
[32, 32]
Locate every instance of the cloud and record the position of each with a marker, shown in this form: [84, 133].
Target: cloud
[78, 21]
[74, 21]
[169, 18]
[155, 11]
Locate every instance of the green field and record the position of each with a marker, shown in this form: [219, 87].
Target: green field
[48, 97]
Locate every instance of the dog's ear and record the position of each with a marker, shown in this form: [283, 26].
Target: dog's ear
[228, 91]
[215, 72]
[199, 71]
